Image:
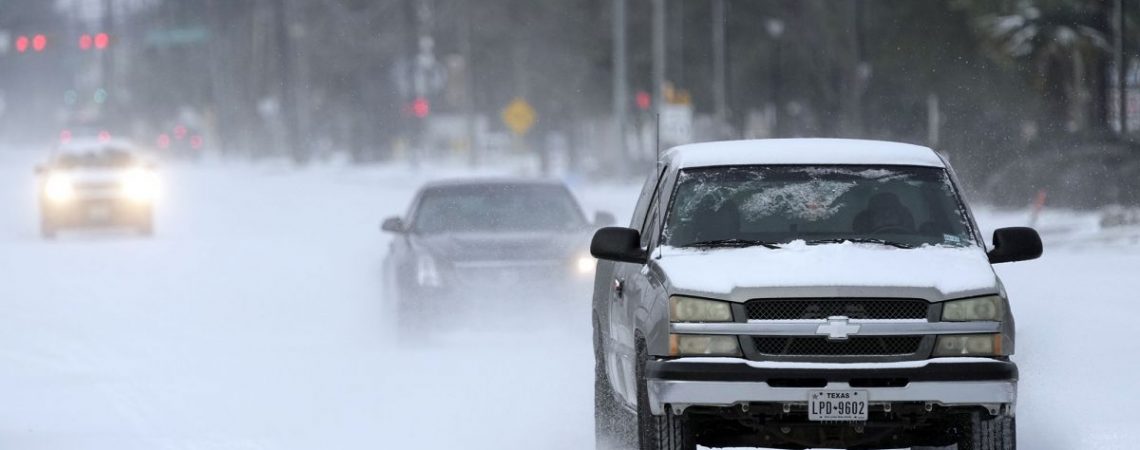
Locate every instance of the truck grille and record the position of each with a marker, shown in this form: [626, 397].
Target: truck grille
[821, 309]
[822, 346]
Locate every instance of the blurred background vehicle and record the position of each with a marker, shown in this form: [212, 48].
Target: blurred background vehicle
[96, 183]
[469, 246]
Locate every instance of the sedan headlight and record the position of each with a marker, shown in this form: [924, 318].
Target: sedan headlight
[968, 345]
[701, 345]
[688, 309]
[584, 264]
[427, 273]
[59, 188]
[139, 185]
[981, 308]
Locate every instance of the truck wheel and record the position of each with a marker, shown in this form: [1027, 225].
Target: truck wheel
[612, 422]
[984, 432]
[667, 432]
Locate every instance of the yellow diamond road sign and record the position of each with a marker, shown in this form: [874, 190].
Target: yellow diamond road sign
[519, 116]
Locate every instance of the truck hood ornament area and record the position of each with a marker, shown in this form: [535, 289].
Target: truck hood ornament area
[837, 328]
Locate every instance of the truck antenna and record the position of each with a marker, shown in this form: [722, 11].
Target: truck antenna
[657, 138]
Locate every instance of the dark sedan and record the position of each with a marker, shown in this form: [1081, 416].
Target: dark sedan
[470, 245]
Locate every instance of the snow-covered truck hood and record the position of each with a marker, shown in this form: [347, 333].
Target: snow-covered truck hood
[800, 270]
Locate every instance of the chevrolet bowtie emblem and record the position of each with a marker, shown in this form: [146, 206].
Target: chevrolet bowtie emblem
[837, 328]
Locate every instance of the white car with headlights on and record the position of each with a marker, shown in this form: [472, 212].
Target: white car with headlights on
[804, 293]
[101, 187]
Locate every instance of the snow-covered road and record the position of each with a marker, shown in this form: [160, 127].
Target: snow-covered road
[253, 321]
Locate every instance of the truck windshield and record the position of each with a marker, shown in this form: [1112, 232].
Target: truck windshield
[891, 205]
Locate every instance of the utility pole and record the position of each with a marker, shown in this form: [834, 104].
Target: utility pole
[1121, 70]
[658, 55]
[776, 77]
[288, 110]
[720, 91]
[107, 68]
[468, 83]
[621, 83]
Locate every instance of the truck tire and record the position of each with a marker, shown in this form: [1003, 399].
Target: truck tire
[984, 432]
[667, 432]
[612, 422]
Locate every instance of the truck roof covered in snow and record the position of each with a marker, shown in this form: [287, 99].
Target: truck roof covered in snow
[801, 151]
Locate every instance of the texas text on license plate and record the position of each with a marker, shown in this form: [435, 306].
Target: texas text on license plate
[840, 406]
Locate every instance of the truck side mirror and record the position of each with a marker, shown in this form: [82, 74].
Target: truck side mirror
[618, 244]
[1015, 244]
[393, 225]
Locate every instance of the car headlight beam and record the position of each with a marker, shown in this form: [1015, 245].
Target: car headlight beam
[688, 309]
[990, 308]
[584, 264]
[427, 273]
[139, 185]
[59, 188]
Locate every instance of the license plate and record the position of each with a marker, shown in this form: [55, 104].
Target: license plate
[837, 406]
[98, 213]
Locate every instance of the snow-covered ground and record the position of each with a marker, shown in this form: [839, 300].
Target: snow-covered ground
[253, 321]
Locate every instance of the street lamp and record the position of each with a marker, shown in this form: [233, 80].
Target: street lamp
[775, 29]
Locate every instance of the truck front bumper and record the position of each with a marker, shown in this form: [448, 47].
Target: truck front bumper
[723, 382]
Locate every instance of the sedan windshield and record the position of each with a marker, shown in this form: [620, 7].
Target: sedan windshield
[497, 207]
[888, 205]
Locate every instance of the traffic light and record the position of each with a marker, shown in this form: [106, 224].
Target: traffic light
[421, 108]
[102, 40]
[644, 101]
[35, 43]
[97, 41]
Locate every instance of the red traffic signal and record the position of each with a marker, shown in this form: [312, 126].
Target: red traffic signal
[39, 42]
[22, 43]
[98, 41]
[421, 108]
[644, 101]
[102, 40]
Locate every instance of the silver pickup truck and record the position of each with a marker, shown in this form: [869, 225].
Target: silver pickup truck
[804, 293]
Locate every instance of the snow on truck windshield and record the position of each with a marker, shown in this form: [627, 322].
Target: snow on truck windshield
[900, 206]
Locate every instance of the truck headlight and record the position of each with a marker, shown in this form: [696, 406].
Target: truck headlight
[968, 345]
[688, 309]
[139, 185]
[701, 345]
[982, 308]
[59, 188]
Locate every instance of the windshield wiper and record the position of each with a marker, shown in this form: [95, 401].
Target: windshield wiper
[860, 241]
[734, 243]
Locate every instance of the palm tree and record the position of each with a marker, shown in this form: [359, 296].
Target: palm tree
[1065, 48]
